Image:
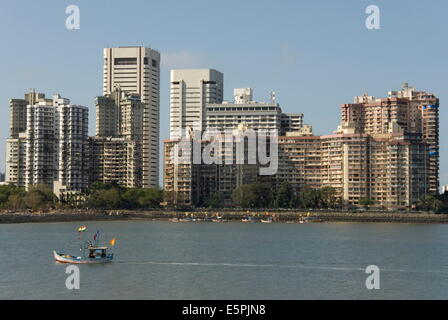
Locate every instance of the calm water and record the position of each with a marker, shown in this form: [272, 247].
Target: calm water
[164, 260]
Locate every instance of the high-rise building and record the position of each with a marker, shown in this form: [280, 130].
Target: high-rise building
[189, 183]
[16, 160]
[73, 148]
[291, 122]
[254, 115]
[389, 169]
[414, 111]
[191, 90]
[137, 70]
[117, 147]
[16, 143]
[52, 147]
[193, 109]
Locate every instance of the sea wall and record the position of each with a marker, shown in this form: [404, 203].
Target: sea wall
[236, 215]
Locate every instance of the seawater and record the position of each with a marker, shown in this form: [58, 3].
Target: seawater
[166, 260]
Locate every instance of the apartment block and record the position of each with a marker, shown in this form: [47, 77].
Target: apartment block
[389, 168]
[16, 143]
[189, 182]
[116, 160]
[73, 148]
[412, 110]
[48, 143]
[291, 122]
[42, 156]
[16, 160]
[117, 149]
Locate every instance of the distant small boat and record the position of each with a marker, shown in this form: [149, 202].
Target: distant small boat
[174, 220]
[268, 220]
[310, 219]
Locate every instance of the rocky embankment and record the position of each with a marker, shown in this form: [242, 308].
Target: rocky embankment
[278, 216]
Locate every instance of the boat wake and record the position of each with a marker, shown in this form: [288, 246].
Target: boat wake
[284, 266]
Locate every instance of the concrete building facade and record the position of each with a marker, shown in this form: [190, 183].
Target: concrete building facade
[137, 70]
[190, 92]
[389, 169]
[117, 149]
[412, 110]
[52, 147]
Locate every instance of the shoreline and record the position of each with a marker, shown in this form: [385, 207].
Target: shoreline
[282, 216]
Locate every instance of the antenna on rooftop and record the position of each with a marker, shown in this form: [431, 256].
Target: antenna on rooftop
[272, 95]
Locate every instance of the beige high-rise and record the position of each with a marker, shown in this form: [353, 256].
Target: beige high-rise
[137, 70]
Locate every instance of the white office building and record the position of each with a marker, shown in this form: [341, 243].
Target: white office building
[191, 91]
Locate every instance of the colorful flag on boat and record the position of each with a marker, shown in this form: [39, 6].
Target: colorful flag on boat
[82, 228]
[95, 236]
[112, 242]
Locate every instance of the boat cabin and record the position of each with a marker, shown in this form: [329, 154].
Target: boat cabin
[97, 252]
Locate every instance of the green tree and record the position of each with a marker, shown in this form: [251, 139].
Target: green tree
[328, 197]
[214, 201]
[12, 192]
[39, 196]
[255, 195]
[309, 197]
[284, 197]
[131, 198]
[244, 196]
[430, 203]
[150, 198]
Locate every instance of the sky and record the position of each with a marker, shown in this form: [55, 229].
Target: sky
[316, 54]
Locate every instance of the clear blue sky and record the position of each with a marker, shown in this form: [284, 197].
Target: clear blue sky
[315, 54]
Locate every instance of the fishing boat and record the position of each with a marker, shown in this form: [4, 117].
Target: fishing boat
[91, 253]
[95, 255]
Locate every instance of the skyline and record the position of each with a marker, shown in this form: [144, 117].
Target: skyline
[303, 74]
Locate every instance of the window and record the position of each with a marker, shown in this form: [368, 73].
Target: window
[125, 61]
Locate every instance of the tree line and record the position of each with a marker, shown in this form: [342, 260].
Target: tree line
[98, 196]
[264, 196]
[257, 195]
